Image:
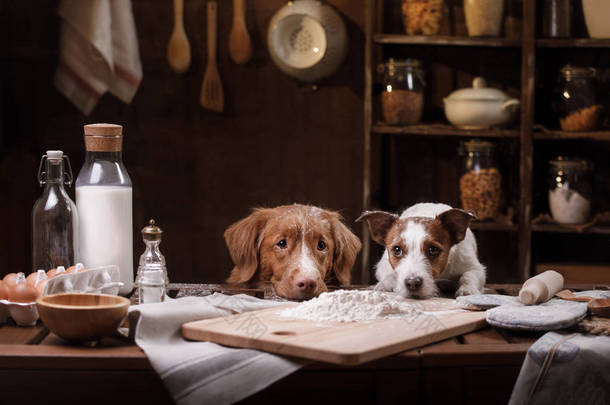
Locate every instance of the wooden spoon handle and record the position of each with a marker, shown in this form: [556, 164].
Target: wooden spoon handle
[178, 12]
[212, 15]
[239, 11]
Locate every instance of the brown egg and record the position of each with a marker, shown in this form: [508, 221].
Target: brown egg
[3, 290]
[75, 268]
[23, 292]
[10, 278]
[55, 272]
[40, 285]
[33, 278]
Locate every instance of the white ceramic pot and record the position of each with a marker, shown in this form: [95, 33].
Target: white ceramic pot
[307, 40]
[480, 107]
[597, 15]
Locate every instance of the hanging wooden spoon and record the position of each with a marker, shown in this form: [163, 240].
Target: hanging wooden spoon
[240, 46]
[178, 49]
[212, 96]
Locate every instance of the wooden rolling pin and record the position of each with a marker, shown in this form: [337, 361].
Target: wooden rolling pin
[541, 288]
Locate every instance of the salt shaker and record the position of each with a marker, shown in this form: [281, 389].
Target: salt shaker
[151, 280]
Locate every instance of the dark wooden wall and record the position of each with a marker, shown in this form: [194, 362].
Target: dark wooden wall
[193, 170]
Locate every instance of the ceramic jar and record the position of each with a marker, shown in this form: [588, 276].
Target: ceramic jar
[596, 17]
[483, 17]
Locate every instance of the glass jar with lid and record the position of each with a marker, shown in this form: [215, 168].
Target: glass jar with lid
[480, 179]
[570, 189]
[422, 17]
[402, 98]
[578, 104]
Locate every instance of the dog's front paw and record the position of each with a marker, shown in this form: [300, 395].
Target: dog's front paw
[467, 289]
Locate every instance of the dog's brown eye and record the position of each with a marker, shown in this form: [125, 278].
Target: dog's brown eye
[397, 251]
[282, 244]
[321, 245]
[433, 251]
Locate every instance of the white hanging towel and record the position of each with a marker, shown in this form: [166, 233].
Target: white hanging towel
[98, 52]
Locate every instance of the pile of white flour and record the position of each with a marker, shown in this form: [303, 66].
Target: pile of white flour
[352, 305]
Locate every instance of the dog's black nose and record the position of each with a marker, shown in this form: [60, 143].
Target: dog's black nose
[413, 283]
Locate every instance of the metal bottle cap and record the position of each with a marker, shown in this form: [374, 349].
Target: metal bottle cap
[152, 231]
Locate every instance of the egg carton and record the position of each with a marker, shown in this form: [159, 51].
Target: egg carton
[98, 280]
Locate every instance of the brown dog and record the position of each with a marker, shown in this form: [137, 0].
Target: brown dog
[296, 247]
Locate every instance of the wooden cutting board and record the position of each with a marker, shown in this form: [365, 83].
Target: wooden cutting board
[347, 343]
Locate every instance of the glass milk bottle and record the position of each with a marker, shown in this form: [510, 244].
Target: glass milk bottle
[54, 216]
[104, 202]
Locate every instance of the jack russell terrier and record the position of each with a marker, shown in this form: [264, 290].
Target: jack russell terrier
[427, 242]
[296, 247]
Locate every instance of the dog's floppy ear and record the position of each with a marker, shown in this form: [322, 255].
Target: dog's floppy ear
[242, 239]
[347, 246]
[380, 223]
[456, 221]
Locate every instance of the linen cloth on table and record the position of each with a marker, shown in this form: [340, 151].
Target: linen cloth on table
[204, 372]
[98, 52]
[577, 371]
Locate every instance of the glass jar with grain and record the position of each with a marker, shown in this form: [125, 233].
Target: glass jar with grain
[480, 180]
[402, 98]
[578, 102]
[422, 17]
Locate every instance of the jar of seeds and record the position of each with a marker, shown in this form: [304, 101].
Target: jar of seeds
[480, 181]
[402, 98]
[578, 102]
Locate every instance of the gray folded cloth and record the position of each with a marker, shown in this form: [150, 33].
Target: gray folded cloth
[204, 372]
[564, 368]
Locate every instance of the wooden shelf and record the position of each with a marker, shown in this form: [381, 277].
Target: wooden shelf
[438, 129]
[493, 226]
[399, 39]
[543, 133]
[553, 228]
[573, 43]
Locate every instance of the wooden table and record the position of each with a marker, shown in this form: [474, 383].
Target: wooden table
[477, 367]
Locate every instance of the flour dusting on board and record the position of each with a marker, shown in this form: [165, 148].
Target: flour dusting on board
[351, 306]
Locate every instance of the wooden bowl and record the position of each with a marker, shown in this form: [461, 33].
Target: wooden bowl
[82, 317]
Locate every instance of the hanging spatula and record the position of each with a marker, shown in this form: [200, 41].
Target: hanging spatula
[212, 96]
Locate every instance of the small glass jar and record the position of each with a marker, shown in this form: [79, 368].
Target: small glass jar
[578, 101]
[570, 189]
[422, 17]
[480, 180]
[402, 99]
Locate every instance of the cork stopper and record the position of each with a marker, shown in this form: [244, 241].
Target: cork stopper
[103, 137]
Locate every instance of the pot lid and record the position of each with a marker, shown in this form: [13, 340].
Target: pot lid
[478, 91]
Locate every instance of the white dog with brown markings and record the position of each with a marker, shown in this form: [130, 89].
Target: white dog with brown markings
[427, 242]
[296, 247]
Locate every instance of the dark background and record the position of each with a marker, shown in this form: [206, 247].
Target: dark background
[193, 170]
